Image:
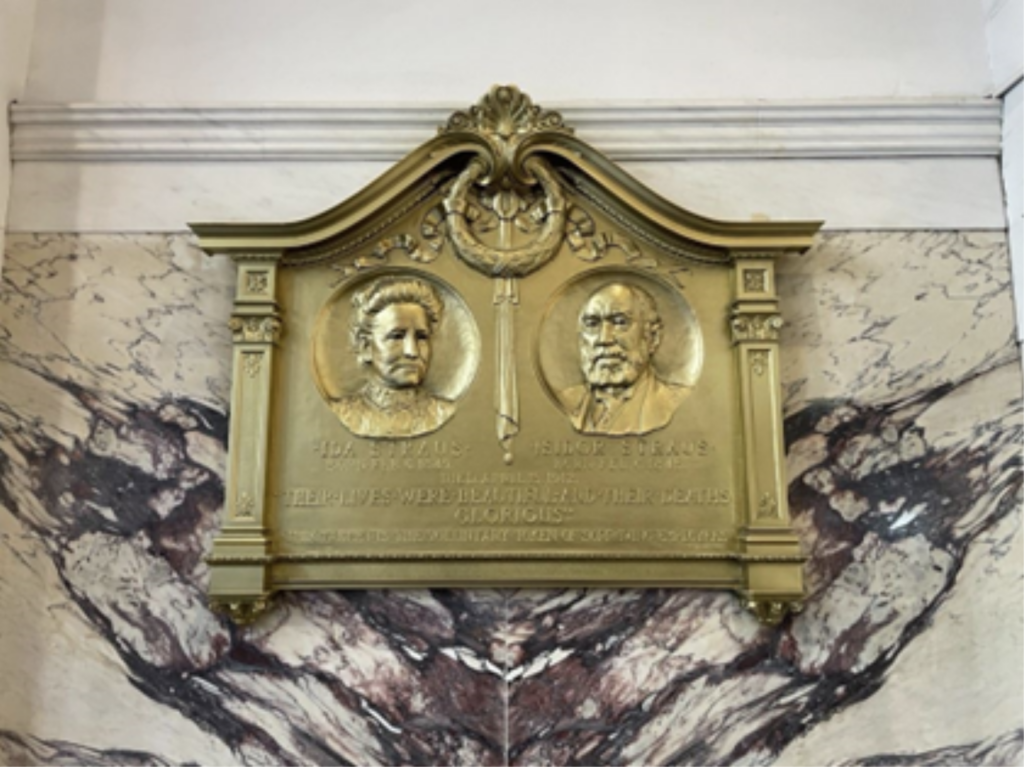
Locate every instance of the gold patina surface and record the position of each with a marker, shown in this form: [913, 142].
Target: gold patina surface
[506, 363]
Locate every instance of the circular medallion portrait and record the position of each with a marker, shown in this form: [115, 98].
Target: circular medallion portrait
[393, 352]
[618, 351]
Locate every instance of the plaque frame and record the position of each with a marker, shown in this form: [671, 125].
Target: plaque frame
[504, 143]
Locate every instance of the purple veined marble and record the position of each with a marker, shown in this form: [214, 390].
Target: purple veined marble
[903, 408]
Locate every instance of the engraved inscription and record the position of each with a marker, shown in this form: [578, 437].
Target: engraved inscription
[627, 455]
[506, 505]
[634, 535]
[639, 447]
[389, 456]
[687, 536]
[329, 536]
[325, 497]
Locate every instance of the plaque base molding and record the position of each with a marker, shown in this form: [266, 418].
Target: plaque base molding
[768, 581]
[239, 573]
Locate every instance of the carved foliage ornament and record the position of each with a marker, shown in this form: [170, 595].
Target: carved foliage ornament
[759, 362]
[756, 327]
[755, 280]
[257, 282]
[242, 612]
[505, 117]
[507, 114]
[501, 261]
[259, 329]
[772, 611]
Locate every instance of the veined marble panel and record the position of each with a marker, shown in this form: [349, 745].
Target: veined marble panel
[904, 431]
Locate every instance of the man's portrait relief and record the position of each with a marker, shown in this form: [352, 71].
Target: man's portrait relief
[619, 329]
[393, 330]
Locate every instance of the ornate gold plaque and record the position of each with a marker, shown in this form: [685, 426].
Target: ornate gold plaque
[506, 363]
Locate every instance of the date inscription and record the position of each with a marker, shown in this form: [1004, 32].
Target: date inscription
[547, 502]
[646, 536]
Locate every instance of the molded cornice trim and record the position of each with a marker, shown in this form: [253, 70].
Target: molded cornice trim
[624, 132]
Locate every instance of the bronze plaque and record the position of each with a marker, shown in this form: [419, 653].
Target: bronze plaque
[506, 363]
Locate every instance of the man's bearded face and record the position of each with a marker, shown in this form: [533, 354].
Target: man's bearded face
[615, 345]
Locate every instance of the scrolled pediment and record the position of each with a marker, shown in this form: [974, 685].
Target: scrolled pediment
[498, 137]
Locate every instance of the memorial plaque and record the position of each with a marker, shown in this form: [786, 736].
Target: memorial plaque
[506, 363]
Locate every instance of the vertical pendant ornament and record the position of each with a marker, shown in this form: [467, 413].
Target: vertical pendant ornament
[505, 262]
[506, 394]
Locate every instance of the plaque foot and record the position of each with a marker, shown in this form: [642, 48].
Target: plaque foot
[771, 611]
[242, 610]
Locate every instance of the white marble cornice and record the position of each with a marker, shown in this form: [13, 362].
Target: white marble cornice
[626, 132]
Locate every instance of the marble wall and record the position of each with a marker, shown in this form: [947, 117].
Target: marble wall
[903, 404]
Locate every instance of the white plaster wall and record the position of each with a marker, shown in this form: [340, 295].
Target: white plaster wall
[407, 50]
[1013, 179]
[596, 54]
[407, 53]
[898, 194]
[1004, 29]
[16, 17]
